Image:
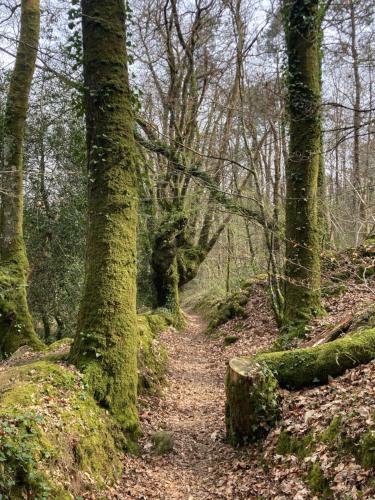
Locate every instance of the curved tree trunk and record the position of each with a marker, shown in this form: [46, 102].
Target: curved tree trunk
[165, 274]
[165, 265]
[16, 326]
[302, 287]
[105, 347]
[175, 261]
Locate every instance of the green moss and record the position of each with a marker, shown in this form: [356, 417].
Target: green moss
[55, 346]
[336, 437]
[105, 347]
[152, 356]
[367, 449]
[159, 320]
[164, 262]
[230, 339]
[55, 439]
[16, 328]
[189, 259]
[333, 432]
[313, 365]
[290, 369]
[302, 21]
[231, 307]
[204, 303]
[318, 483]
[163, 442]
[252, 404]
[301, 446]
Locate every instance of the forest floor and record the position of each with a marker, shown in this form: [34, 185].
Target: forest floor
[203, 466]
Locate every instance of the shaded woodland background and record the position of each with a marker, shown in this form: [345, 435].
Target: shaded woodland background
[216, 98]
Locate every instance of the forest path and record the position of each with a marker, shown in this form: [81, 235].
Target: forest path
[201, 465]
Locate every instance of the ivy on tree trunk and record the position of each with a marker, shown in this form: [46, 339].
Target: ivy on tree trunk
[303, 234]
[16, 326]
[105, 346]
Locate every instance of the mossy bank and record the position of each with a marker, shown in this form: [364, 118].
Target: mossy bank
[55, 441]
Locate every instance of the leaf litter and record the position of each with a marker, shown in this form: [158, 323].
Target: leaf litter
[203, 466]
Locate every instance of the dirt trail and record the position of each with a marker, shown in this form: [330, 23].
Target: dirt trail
[201, 466]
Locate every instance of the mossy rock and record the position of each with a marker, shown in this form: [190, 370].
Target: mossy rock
[162, 442]
[55, 441]
[59, 344]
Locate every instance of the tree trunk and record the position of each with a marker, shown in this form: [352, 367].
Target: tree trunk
[302, 287]
[358, 195]
[16, 326]
[165, 274]
[252, 404]
[165, 265]
[60, 327]
[105, 346]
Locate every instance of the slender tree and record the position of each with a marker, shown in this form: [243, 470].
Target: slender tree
[16, 326]
[105, 347]
[302, 286]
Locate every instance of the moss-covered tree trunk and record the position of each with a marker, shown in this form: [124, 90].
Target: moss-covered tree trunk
[165, 265]
[252, 404]
[302, 287]
[16, 326]
[105, 347]
[175, 260]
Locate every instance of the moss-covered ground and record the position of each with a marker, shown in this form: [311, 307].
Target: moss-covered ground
[56, 442]
[229, 307]
[152, 356]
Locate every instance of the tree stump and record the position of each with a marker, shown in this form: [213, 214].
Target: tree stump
[252, 404]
